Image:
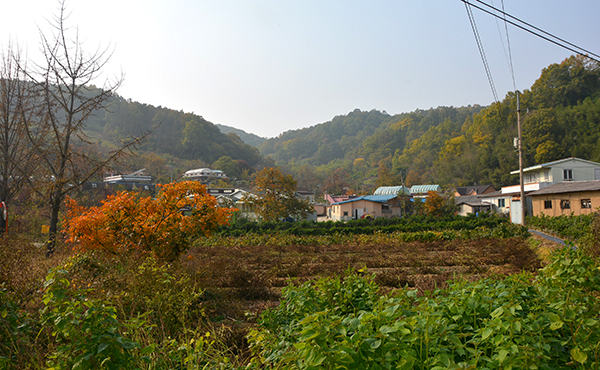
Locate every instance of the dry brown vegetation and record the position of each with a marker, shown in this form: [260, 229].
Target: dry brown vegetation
[252, 276]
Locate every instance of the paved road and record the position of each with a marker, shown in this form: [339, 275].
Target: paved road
[546, 236]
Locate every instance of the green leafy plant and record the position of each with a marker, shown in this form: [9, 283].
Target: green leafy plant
[519, 322]
[87, 332]
[15, 331]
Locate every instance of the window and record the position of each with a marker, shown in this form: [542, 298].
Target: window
[586, 203]
[345, 213]
[565, 204]
[501, 202]
[547, 204]
[567, 174]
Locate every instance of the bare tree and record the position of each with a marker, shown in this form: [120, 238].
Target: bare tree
[65, 82]
[18, 105]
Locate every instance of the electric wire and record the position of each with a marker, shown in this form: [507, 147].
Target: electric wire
[512, 70]
[544, 35]
[502, 41]
[539, 29]
[481, 51]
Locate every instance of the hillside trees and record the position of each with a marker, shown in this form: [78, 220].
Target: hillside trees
[466, 145]
[567, 83]
[338, 182]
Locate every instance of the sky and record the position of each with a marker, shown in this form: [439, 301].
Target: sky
[269, 66]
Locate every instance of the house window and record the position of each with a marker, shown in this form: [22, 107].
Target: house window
[345, 213]
[565, 204]
[586, 203]
[547, 204]
[546, 175]
[501, 203]
[567, 174]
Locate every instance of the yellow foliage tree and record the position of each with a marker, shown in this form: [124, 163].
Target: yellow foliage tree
[277, 196]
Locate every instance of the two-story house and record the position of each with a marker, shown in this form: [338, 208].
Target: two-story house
[543, 175]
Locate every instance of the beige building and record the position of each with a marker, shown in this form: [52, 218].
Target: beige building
[372, 205]
[565, 198]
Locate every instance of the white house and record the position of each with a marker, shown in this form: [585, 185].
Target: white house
[204, 175]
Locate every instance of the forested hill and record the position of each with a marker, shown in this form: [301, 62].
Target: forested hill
[173, 133]
[560, 118]
[452, 146]
[372, 135]
[250, 139]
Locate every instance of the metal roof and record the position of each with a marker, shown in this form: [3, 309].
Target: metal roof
[370, 198]
[422, 189]
[392, 190]
[553, 163]
[568, 187]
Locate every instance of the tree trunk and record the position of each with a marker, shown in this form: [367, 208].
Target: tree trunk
[51, 243]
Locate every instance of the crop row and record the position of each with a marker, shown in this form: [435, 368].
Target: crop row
[370, 236]
[565, 226]
[364, 226]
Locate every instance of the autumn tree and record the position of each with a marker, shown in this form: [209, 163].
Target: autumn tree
[439, 205]
[162, 225]
[64, 83]
[276, 196]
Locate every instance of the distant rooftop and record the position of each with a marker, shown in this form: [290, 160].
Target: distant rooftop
[392, 190]
[569, 187]
[371, 198]
[422, 189]
[554, 163]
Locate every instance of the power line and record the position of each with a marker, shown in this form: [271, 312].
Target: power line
[512, 70]
[541, 33]
[481, 51]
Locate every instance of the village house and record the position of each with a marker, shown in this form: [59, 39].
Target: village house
[470, 199]
[461, 191]
[566, 198]
[204, 175]
[472, 204]
[368, 205]
[543, 175]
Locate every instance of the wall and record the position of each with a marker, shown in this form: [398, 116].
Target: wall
[574, 200]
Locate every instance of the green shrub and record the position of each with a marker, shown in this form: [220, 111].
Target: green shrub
[87, 332]
[15, 333]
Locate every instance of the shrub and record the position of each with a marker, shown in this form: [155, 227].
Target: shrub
[162, 226]
[15, 331]
[87, 331]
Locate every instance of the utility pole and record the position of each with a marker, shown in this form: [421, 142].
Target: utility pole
[523, 207]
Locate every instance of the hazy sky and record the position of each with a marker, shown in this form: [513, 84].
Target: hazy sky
[268, 66]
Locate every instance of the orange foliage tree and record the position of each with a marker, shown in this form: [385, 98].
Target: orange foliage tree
[437, 205]
[163, 225]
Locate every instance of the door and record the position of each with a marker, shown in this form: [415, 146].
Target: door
[515, 211]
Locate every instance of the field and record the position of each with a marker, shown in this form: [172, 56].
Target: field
[226, 302]
[255, 274]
